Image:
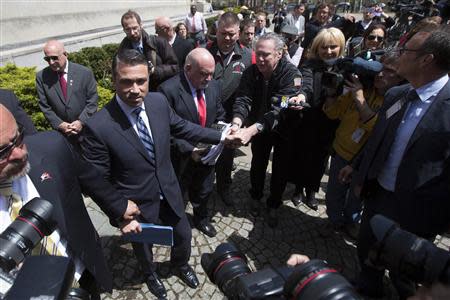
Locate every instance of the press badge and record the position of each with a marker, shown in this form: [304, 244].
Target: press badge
[358, 134]
[394, 108]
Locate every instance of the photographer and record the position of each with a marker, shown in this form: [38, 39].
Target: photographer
[357, 112]
[272, 76]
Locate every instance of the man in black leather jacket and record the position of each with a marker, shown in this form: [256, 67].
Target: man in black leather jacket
[272, 76]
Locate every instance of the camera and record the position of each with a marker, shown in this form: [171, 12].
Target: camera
[404, 253]
[343, 68]
[227, 268]
[47, 275]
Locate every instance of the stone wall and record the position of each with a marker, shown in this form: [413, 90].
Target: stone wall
[27, 24]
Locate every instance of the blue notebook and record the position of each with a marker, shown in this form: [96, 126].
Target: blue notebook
[152, 234]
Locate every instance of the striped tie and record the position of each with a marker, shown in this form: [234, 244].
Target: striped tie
[144, 135]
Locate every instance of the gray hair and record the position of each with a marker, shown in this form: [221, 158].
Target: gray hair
[271, 36]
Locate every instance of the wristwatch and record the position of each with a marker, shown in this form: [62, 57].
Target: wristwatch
[259, 127]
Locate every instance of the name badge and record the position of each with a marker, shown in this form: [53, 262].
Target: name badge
[357, 135]
[394, 108]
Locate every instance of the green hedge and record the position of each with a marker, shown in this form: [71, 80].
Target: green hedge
[21, 80]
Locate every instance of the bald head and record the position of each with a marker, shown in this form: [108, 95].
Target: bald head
[14, 155]
[199, 67]
[55, 55]
[164, 28]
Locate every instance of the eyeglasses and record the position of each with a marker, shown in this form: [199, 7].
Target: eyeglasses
[375, 37]
[5, 152]
[48, 58]
[403, 49]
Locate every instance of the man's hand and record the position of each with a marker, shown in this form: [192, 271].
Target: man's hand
[197, 153]
[131, 226]
[297, 100]
[65, 128]
[345, 174]
[76, 126]
[132, 211]
[245, 134]
[297, 259]
[232, 140]
[356, 88]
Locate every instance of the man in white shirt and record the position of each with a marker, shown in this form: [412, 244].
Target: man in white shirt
[196, 25]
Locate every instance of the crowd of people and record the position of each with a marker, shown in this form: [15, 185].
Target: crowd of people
[143, 155]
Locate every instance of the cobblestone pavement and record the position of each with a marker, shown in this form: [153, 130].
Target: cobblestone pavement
[298, 232]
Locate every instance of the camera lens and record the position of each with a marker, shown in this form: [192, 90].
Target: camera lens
[224, 265]
[315, 280]
[24, 233]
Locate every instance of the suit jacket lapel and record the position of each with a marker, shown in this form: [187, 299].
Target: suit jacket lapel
[71, 78]
[122, 125]
[188, 100]
[433, 113]
[210, 106]
[47, 187]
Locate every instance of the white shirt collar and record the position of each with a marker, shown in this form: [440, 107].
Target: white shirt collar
[127, 109]
[432, 88]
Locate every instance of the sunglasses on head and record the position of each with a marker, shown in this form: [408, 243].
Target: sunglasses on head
[377, 37]
[16, 142]
[48, 58]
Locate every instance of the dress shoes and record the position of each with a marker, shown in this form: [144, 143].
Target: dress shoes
[155, 286]
[311, 201]
[298, 198]
[205, 226]
[187, 274]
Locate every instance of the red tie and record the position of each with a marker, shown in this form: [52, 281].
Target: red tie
[201, 108]
[63, 84]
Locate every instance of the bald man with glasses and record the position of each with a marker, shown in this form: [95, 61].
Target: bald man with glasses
[67, 91]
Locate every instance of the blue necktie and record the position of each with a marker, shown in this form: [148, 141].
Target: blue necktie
[146, 139]
[144, 135]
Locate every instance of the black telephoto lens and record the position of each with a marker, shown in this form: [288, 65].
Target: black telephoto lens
[315, 280]
[18, 240]
[225, 265]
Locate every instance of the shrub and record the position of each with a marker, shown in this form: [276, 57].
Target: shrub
[98, 59]
[21, 81]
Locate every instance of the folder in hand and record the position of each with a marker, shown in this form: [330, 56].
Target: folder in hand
[152, 234]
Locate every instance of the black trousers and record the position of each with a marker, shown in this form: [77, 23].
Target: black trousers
[182, 235]
[224, 166]
[197, 180]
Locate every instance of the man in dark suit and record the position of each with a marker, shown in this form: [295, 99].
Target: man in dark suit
[44, 165]
[67, 91]
[195, 97]
[404, 169]
[10, 101]
[129, 142]
[162, 61]
[181, 47]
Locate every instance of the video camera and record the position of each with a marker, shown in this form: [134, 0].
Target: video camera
[343, 68]
[49, 276]
[404, 253]
[227, 268]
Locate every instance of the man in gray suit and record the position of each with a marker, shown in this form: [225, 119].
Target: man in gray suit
[67, 91]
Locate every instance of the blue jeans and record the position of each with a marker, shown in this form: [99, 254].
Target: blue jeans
[343, 207]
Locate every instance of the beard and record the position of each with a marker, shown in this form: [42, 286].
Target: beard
[24, 171]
